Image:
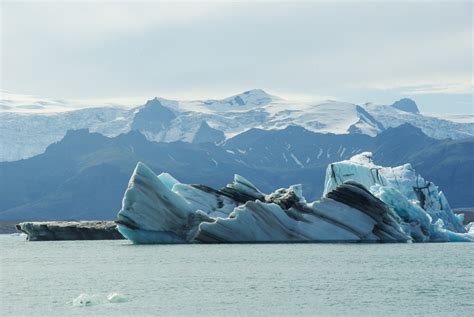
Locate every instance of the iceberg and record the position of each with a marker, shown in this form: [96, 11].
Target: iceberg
[362, 202]
[69, 230]
[424, 210]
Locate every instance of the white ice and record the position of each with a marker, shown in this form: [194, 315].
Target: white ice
[362, 202]
[424, 209]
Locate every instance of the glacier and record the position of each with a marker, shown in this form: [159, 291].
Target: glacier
[362, 202]
[29, 125]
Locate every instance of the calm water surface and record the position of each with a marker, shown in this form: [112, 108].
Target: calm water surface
[43, 279]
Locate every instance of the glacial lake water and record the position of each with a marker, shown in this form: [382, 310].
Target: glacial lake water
[44, 278]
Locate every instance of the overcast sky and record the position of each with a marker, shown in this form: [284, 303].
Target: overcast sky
[350, 51]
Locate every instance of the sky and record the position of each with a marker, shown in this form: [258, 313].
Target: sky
[372, 51]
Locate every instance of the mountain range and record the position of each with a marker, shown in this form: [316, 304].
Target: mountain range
[28, 127]
[84, 175]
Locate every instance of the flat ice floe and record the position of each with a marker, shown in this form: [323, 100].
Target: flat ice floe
[362, 202]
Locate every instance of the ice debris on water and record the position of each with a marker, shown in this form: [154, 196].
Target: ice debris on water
[116, 298]
[362, 202]
[84, 299]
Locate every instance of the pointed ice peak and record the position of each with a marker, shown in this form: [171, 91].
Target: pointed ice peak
[298, 190]
[407, 105]
[168, 180]
[241, 186]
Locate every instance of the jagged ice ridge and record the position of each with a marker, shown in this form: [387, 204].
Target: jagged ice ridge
[362, 202]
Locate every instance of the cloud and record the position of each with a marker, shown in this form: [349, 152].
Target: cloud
[196, 49]
[428, 86]
[451, 88]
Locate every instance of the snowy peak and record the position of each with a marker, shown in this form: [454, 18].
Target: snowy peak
[366, 123]
[254, 97]
[28, 132]
[438, 128]
[407, 105]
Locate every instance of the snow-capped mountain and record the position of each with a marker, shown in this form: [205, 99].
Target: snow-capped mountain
[85, 174]
[435, 127]
[28, 126]
[24, 135]
[257, 109]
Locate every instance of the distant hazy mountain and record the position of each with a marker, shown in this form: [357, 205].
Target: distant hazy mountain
[438, 127]
[153, 118]
[206, 134]
[406, 105]
[27, 128]
[85, 175]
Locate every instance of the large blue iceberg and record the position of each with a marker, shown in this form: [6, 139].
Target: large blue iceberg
[362, 202]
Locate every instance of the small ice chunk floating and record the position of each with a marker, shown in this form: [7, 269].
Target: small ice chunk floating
[362, 202]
